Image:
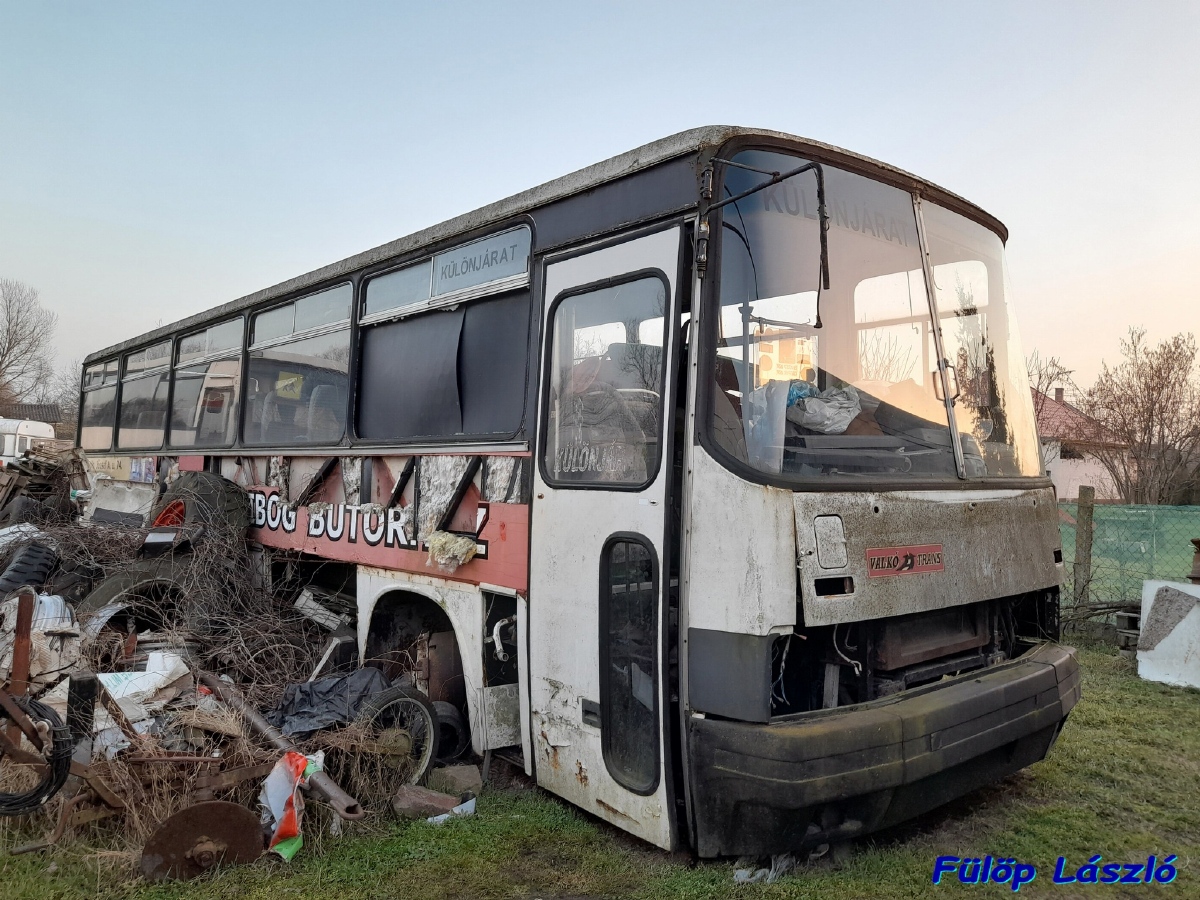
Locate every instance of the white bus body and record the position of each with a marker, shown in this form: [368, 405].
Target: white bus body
[704, 479]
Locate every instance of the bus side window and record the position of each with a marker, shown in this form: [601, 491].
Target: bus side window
[99, 413]
[298, 371]
[628, 662]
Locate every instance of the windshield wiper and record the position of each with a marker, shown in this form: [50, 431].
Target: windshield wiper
[776, 178]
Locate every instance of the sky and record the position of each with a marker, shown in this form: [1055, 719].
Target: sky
[158, 159]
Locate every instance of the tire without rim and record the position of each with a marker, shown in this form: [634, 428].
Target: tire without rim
[141, 576]
[31, 565]
[453, 734]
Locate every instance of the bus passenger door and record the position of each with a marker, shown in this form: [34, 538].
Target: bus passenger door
[597, 590]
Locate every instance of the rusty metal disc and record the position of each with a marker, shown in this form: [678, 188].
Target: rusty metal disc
[197, 838]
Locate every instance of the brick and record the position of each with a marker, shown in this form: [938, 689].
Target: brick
[414, 802]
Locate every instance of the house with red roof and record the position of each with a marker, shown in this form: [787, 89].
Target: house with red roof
[1070, 440]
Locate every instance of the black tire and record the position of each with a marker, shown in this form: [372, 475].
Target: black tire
[145, 586]
[208, 499]
[31, 565]
[58, 506]
[59, 759]
[20, 509]
[454, 736]
[411, 712]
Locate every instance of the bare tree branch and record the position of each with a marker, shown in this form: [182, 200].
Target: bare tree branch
[1147, 414]
[1045, 374]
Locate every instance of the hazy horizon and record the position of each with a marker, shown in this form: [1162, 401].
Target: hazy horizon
[156, 161]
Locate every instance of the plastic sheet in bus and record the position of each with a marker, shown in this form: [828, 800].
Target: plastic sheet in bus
[409, 384]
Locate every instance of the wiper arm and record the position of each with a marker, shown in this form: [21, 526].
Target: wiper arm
[776, 178]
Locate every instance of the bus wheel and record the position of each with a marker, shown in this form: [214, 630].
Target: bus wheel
[401, 740]
[203, 498]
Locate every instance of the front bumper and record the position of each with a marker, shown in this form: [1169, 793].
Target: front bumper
[808, 779]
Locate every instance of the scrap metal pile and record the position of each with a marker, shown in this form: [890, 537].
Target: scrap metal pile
[158, 677]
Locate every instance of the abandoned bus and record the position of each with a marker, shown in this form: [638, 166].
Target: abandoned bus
[704, 481]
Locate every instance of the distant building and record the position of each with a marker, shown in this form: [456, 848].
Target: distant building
[50, 413]
[1070, 439]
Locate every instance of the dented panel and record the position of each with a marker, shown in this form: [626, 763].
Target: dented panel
[910, 551]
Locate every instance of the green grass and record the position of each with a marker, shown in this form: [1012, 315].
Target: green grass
[1124, 781]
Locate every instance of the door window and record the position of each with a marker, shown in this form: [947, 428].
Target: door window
[628, 661]
[604, 414]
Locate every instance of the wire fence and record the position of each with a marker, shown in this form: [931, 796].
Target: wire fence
[1128, 545]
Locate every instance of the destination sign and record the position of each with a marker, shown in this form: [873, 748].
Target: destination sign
[490, 259]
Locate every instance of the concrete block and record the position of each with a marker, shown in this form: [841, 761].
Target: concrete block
[457, 780]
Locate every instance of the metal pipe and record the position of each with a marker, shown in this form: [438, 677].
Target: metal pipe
[18, 673]
[342, 803]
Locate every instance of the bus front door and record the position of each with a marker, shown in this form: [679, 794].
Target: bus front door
[597, 594]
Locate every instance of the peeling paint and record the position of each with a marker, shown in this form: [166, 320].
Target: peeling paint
[437, 480]
[352, 467]
[278, 472]
[581, 773]
[993, 544]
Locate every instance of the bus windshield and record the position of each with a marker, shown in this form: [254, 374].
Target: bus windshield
[846, 383]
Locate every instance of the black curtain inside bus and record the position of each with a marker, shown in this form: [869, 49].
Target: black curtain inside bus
[446, 373]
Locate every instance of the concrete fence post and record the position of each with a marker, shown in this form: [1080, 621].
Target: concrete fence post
[1083, 543]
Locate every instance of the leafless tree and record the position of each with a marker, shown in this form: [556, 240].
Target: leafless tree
[1045, 374]
[62, 389]
[881, 356]
[26, 332]
[1147, 414]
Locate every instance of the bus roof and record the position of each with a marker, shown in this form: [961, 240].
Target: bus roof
[644, 157]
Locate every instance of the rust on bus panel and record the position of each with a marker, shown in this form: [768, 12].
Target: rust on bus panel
[373, 535]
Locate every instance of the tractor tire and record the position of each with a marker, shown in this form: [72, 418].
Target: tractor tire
[31, 565]
[203, 498]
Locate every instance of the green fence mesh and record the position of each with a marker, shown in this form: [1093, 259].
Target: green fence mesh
[1129, 545]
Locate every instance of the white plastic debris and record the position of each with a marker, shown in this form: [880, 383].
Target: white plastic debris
[20, 534]
[54, 646]
[1169, 643]
[829, 412]
[466, 808]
